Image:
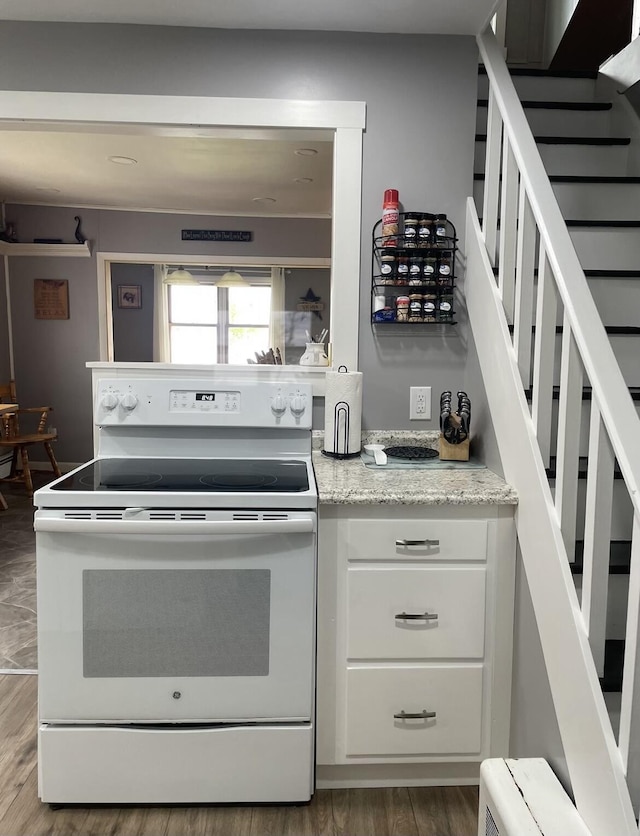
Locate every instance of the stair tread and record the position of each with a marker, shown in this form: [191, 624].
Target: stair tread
[573, 140]
[535, 104]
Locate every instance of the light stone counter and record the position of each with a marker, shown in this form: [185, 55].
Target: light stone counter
[351, 482]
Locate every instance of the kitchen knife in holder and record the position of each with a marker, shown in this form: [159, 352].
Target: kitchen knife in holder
[454, 428]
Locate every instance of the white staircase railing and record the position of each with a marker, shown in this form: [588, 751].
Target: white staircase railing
[519, 210]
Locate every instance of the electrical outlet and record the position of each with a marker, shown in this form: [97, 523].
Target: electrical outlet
[419, 403]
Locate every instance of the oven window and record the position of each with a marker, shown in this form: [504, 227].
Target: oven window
[176, 622]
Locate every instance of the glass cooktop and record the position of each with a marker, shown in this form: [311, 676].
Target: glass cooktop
[189, 475]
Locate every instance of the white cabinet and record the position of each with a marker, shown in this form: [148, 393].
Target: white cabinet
[415, 627]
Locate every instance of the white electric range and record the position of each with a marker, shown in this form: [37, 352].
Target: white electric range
[176, 599]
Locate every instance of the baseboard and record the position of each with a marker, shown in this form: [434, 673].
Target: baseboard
[453, 774]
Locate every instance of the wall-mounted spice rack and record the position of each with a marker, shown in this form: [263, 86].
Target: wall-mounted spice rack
[413, 270]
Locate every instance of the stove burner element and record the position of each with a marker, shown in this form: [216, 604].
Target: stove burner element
[411, 453]
[124, 481]
[238, 480]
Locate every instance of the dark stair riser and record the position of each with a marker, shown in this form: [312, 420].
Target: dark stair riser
[573, 140]
[553, 105]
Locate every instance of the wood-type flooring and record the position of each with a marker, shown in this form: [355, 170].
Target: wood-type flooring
[414, 811]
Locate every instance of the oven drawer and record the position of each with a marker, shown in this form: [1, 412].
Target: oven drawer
[376, 698]
[416, 613]
[417, 539]
[87, 765]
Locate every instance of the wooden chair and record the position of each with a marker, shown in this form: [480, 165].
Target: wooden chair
[15, 438]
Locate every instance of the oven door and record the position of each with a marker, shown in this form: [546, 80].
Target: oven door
[176, 620]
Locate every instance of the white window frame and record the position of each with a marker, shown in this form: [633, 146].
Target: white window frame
[345, 119]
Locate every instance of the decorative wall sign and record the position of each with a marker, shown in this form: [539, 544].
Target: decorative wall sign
[129, 296]
[311, 302]
[217, 235]
[51, 298]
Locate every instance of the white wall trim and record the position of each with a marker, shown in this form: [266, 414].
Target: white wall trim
[346, 119]
[196, 111]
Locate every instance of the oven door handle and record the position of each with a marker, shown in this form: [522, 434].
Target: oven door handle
[178, 528]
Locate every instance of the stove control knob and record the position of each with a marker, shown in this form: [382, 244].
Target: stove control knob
[278, 405]
[129, 402]
[109, 401]
[298, 405]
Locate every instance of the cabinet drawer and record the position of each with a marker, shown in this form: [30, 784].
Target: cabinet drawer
[377, 596]
[375, 695]
[436, 539]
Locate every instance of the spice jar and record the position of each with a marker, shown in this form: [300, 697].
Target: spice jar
[445, 307]
[425, 230]
[390, 216]
[411, 231]
[415, 270]
[429, 307]
[429, 264]
[388, 266]
[445, 267]
[402, 308]
[440, 230]
[402, 268]
[415, 307]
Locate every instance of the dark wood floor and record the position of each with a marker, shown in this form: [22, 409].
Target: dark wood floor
[422, 811]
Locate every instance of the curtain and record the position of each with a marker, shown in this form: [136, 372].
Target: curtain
[277, 318]
[161, 352]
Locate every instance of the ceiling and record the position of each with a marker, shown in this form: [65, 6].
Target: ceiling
[215, 172]
[451, 17]
[248, 173]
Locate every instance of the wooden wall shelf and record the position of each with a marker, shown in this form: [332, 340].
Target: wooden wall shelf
[47, 250]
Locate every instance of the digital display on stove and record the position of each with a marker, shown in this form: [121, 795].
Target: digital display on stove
[188, 400]
[189, 476]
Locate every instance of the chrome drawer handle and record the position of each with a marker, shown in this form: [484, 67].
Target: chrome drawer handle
[418, 715]
[417, 542]
[416, 616]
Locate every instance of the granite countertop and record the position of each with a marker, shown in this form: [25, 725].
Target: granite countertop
[351, 482]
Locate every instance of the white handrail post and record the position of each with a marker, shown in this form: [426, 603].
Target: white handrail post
[492, 177]
[544, 355]
[597, 535]
[569, 414]
[508, 229]
[525, 265]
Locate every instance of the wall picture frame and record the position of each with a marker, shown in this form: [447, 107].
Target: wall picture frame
[129, 296]
[51, 298]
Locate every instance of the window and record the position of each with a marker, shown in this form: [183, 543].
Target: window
[209, 324]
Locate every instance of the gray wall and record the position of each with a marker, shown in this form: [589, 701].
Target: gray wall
[420, 93]
[133, 327]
